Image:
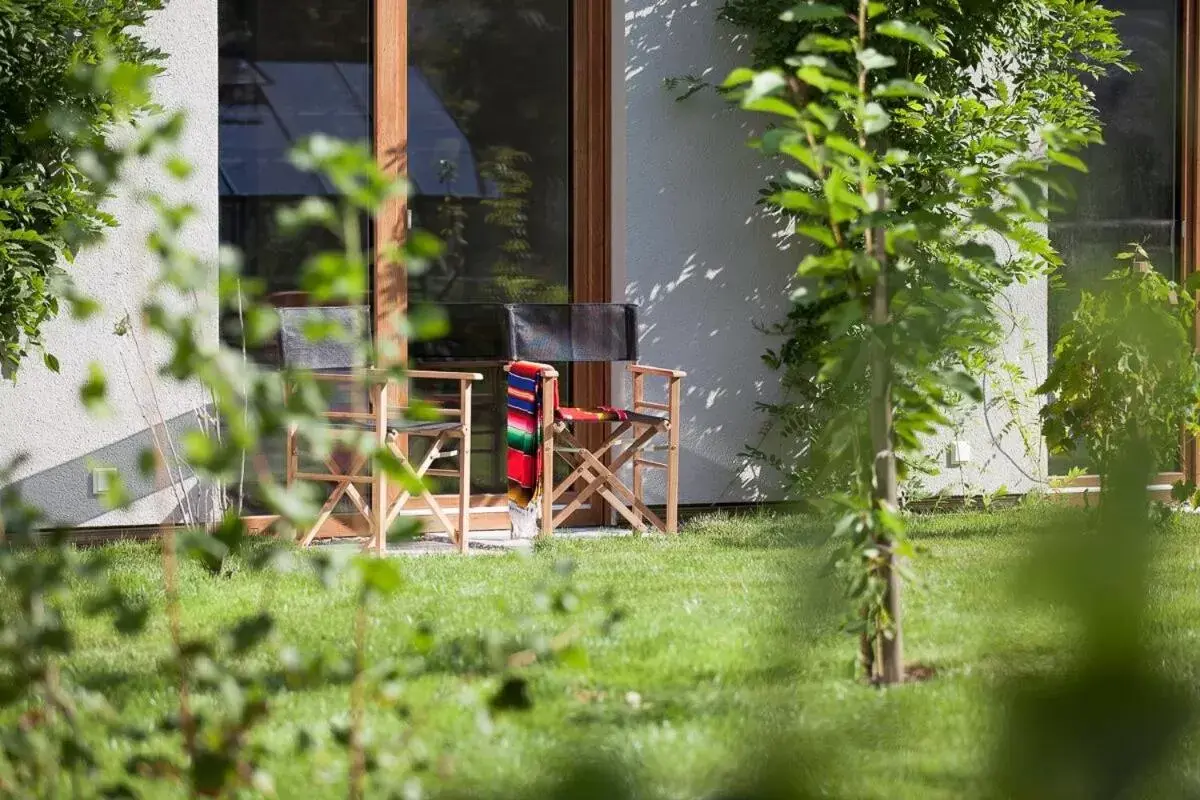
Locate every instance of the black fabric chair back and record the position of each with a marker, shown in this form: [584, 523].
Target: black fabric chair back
[552, 332]
[549, 332]
[349, 326]
[575, 332]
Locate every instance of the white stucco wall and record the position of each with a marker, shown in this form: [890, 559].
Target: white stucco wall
[702, 262]
[41, 415]
[1008, 453]
[705, 266]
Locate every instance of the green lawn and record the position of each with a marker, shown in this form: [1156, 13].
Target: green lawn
[729, 641]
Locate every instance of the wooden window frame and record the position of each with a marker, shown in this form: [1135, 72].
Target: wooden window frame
[1190, 199]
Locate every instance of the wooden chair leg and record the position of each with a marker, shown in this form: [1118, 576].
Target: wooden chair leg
[290, 457]
[379, 487]
[597, 466]
[607, 483]
[673, 415]
[435, 451]
[639, 396]
[464, 468]
[419, 473]
[605, 486]
[331, 503]
[577, 465]
[547, 422]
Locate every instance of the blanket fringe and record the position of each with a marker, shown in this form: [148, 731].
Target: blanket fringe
[524, 521]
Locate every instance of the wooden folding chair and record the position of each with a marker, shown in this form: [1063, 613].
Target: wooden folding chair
[388, 423]
[599, 332]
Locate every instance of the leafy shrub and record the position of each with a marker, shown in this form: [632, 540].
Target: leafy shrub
[1003, 75]
[53, 121]
[1125, 371]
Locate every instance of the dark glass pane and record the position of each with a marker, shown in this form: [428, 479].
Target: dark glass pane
[1130, 193]
[489, 149]
[489, 156]
[287, 71]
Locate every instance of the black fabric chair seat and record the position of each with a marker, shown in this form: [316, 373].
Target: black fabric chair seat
[401, 427]
[415, 427]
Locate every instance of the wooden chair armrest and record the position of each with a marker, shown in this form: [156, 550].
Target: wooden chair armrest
[437, 374]
[659, 371]
[340, 377]
[372, 375]
[547, 370]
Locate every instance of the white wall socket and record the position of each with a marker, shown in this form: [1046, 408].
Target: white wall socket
[102, 480]
[958, 453]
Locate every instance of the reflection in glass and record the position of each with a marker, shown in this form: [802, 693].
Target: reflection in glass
[489, 156]
[1130, 193]
[287, 71]
[488, 150]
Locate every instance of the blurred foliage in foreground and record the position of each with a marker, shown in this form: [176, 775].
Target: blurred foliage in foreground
[1101, 727]
[54, 164]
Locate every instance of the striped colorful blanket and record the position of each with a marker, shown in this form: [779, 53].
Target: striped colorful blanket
[524, 446]
[526, 480]
[524, 432]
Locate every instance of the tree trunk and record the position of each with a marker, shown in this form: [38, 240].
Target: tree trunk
[884, 494]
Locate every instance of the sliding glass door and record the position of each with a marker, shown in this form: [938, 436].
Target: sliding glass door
[497, 111]
[1134, 187]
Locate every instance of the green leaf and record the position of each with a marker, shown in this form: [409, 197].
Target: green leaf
[130, 618]
[739, 77]
[94, 389]
[83, 308]
[203, 548]
[179, 167]
[380, 576]
[826, 116]
[826, 83]
[963, 383]
[811, 11]
[513, 695]
[873, 59]
[902, 88]
[799, 201]
[843, 145]
[117, 496]
[817, 233]
[249, 632]
[898, 29]
[1067, 160]
[51, 362]
[423, 245]
[574, 656]
[824, 43]
[147, 462]
[763, 84]
[875, 119]
[773, 105]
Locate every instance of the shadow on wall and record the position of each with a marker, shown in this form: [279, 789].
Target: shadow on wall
[64, 493]
[706, 266]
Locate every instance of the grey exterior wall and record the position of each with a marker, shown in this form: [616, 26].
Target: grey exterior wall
[1004, 432]
[702, 262]
[40, 415]
[705, 266]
